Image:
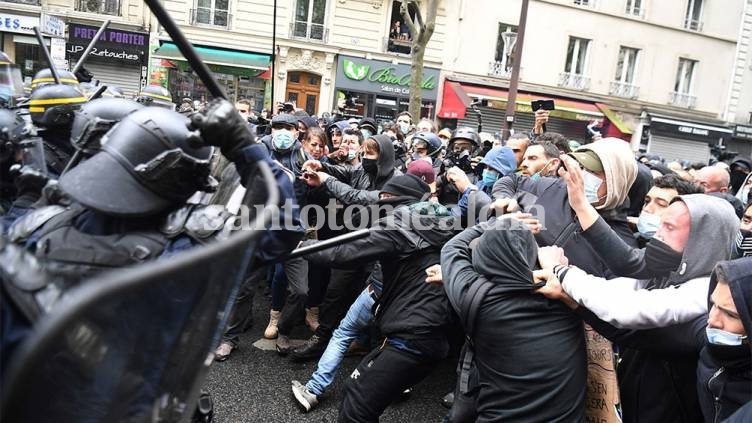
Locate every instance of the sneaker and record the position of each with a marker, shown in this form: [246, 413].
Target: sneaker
[283, 344]
[312, 349]
[305, 398]
[448, 400]
[223, 351]
[271, 329]
[312, 318]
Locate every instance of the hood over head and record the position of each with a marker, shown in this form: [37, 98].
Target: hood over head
[506, 256]
[501, 159]
[738, 275]
[619, 166]
[341, 125]
[713, 228]
[386, 156]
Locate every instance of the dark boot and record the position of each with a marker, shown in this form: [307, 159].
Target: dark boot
[312, 349]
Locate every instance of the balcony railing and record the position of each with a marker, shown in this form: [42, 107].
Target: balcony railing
[206, 16]
[682, 100]
[693, 24]
[29, 2]
[499, 70]
[105, 7]
[399, 45]
[623, 89]
[636, 11]
[574, 81]
[311, 32]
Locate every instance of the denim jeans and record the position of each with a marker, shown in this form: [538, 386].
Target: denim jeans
[357, 319]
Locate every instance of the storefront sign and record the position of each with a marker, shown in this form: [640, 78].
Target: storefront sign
[57, 52]
[376, 76]
[113, 44]
[689, 130]
[743, 132]
[18, 23]
[52, 25]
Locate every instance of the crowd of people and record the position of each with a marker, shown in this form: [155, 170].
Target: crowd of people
[492, 253]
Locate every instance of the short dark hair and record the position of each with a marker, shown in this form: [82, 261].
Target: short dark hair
[391, 126]
[560, 141]
[674, 181]
[406, 113]
[356, 132]
[549, 149]
[519, 136]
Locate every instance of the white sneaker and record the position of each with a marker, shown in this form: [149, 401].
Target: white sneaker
[305, 398]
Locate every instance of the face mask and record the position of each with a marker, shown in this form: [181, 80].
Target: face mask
[592, 183]
[351, 154]
[282, 140]
[648, 224]
[366, 133]
[404, 127]
[721, 337]
[371, 166]
[745, 195]
[661, 259]
[744, 243]
[489, 177]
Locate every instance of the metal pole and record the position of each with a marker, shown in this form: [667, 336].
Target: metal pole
[186, 49]
[46, 54]
[90, 47]
[329, 243]
[274, 55]
[512, 97]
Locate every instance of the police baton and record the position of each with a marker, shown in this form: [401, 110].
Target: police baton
[186, 49]
[329, 243]
[46, 54]
[90, 47]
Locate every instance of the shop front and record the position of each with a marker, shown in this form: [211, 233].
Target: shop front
[681, 139]
[241, 74]
[463, 103]
[119, 57]
[741, 140]
[380, 89]
[19, 43]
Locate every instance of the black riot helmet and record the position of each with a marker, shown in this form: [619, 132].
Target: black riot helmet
[13, 129]
[431, 141]
[146, 166]
[44, 77]
[95, 118]
[155, 95]
[52, 106]
[465, 133]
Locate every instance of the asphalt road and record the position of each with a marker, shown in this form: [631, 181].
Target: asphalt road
[253, 385]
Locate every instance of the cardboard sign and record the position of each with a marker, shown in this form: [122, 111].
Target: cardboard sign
[602, 404]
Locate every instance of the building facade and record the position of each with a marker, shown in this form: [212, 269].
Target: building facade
[119, 58]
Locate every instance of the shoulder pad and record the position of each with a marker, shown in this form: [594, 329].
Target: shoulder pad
[21, 268]
[26, 225]
[205, 221]
[175, 222]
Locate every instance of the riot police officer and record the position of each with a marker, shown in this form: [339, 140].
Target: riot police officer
[463, 147]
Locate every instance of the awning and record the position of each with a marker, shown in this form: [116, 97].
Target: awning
[454, 101]
[497, 97]
[614, 118]
[696, 125]
[215, 56]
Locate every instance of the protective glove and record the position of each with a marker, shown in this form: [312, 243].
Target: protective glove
[28, 180]
[221, 125]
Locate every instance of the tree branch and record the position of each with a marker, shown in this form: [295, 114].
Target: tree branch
[404, 11]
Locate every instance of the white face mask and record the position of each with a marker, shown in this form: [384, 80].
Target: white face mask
[648, 224]
[592, 183]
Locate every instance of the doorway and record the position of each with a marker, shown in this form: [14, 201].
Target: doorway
[303, 90]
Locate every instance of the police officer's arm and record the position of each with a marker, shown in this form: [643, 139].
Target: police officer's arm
[380, 243]
[342, 173]
[349, 195]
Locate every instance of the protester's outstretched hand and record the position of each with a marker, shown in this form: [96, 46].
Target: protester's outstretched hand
[314, 179]
[221, 125]
[312, 165]
[459, 178]
[433, 275]
[505, 205]
[572, 175]
[551, 288]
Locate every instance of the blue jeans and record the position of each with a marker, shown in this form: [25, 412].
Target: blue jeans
[357, 319]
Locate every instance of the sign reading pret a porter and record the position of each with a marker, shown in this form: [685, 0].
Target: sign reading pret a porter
[380, 77]
[114, 44]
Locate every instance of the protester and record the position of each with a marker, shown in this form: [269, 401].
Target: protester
[541, 159]
[518, 143]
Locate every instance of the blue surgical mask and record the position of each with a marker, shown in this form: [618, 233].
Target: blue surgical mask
[489, 177]
[535, 176]
[721, 337]
[282, 140]
[404, 127]
[592, 183]
[648, 224]
[351, 154]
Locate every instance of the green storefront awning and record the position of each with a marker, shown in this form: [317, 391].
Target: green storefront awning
[218, 57]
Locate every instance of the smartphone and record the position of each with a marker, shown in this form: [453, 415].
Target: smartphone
[542, 104]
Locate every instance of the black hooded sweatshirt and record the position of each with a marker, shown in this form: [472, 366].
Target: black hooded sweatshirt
[353, 185]
[535, 347]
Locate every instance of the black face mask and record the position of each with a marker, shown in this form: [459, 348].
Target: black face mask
[371, 166]
[737, 179]
[730, 354]
[661, 259]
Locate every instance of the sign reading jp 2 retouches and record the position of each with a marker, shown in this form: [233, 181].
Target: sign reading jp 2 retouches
[376, 76]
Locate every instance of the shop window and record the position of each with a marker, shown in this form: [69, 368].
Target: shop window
[212, 12]
[692, 19]
[309, 20]
[400, 39]
[106, 7]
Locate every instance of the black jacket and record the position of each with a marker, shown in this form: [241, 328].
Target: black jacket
[549, 195]
[409, 308]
